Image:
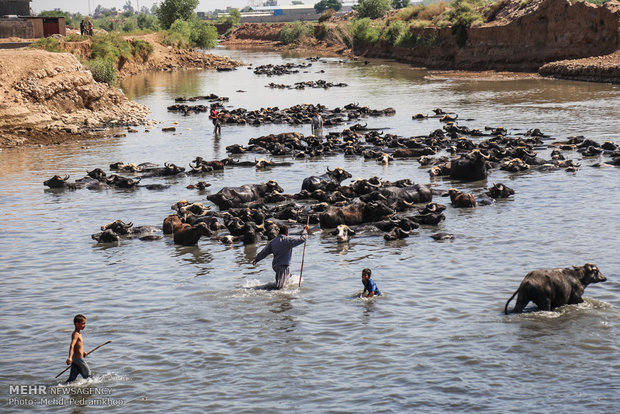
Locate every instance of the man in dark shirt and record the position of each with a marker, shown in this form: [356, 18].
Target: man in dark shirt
[282, 249]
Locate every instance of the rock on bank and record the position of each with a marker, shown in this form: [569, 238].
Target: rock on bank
[49, 97]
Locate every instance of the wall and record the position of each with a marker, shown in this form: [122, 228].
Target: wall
[17, 7]
[16, 28]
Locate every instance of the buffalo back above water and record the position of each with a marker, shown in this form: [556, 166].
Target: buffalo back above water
[327, 182]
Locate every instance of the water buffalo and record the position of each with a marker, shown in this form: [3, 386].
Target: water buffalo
[188, 235]
[461, 199]
[469, 167]
[229, 197]
[412, 194]
[356, 213]
[550, 288]
[343, 233]
[500, 191]
[59, 182]
[122, 182]
[327, 182]
[97, 174]
[171, 224]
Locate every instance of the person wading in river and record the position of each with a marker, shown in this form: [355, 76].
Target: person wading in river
[282, 249]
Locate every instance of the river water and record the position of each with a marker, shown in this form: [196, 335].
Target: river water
[190, 330]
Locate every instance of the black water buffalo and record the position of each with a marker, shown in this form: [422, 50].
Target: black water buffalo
[356, 213]
[412, 194]
[550, 288]
[469, 167]
[500, 191]
[229, 197]
[122, 182]
[327, 182]
[59, 182]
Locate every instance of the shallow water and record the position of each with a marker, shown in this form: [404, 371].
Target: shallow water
[191, 330]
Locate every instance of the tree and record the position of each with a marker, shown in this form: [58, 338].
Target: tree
[373, 8]
[234, 17]
[400, 4]
[297, 2]
[323, 5]
[128, 7]
[171, 10]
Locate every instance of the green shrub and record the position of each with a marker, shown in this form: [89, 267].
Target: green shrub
[372, 9]
[103, 70]
[293, 32]
[185, 34]
[51, 44]
[142, 49]
[394, 31]
[147, 22]
[463, 15]
[364, 34]
[111, 47]
[203, 35]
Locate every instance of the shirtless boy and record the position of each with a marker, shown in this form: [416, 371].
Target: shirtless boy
[76, 350]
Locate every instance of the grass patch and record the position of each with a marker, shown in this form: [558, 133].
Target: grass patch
[294, 32]
[51, 44]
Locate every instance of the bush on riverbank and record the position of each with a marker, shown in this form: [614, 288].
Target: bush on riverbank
[103, 70]
[295, 32]
[186, 34]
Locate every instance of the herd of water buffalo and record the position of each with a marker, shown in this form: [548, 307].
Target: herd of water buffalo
[251, 212]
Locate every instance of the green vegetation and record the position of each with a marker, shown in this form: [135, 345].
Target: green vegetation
[373, 9]
[364, 33]
[234, 17]
[51, 44]
[103, 70]
[186, 34]
[112, 48]
[323, 5]
[142, 49]
[400, 4]
[294, 32]
[172, 10]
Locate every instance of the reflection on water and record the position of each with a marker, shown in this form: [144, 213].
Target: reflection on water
[200, 321]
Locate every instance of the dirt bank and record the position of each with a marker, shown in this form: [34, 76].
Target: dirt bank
[50, 98]
[575, 41]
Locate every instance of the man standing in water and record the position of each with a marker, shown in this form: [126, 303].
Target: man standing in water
[317, 124]
[282, 248]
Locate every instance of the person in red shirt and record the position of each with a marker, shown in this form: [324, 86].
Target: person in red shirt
[215, 118]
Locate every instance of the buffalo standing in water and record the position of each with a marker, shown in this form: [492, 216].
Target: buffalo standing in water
[550, 288]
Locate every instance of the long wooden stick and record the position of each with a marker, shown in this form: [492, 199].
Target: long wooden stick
[88, 353]
[303, 256]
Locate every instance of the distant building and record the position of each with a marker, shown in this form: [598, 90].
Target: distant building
[300, 12]
[16, 21]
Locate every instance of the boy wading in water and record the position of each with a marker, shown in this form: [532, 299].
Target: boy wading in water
[369, 285]
[282, 249]
[76, 350]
